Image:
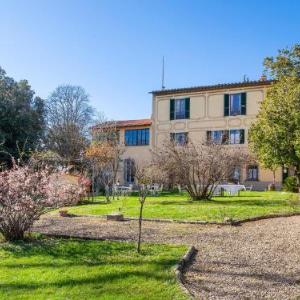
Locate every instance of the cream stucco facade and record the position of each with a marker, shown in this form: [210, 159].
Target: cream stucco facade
[206, 113]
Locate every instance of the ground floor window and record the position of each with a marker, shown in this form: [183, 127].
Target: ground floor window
[232, 136]
[129, 170]
[236, 175]
[180, 138]
[252, 173]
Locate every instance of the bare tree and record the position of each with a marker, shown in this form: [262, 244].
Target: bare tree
[105, 155]
[69, 116]
[199, 168]
[145, 176]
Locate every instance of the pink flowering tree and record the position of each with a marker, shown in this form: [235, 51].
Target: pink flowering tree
[26, 194]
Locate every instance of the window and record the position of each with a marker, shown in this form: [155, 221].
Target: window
[137, 137]
[129, 170]
[236, 175]
[252, 173]
[218, 136]
[235, 104]
[233, 136]
[179, 109]
[180, 138]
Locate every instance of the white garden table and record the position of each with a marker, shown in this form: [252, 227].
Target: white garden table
[231, 189]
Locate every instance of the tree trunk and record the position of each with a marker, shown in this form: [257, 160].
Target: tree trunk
[140, 227]
[297, 174]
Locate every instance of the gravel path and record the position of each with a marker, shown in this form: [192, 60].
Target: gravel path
[258, 260]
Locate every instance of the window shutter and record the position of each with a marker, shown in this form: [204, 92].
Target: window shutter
[186, 137]
[172, 109]
[208, 136]
[226, 105]
[225, 137]
[172, 136]
[242, 136]
[187, 108]
[243, 103]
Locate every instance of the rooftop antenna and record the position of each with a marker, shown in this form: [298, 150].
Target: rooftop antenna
[245, 78]
[163, 74]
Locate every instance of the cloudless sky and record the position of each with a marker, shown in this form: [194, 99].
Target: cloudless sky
[114, 48]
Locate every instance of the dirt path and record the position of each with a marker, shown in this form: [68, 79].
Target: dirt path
[258, 260]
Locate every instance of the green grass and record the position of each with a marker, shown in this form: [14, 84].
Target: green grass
[77, 269]
[178, 207]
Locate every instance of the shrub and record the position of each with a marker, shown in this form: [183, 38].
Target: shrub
[294, 201]
[26, 194]
[290, 184]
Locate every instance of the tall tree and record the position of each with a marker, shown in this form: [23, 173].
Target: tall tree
[275, 136]
[69, 116]
[22, 119]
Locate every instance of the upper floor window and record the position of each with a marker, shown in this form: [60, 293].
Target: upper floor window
[232, 136]
[180, 138]
[252, 173]
[137, 137]
[179, 109]
[235, 104]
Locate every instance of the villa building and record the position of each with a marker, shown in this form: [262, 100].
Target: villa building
[221, 113]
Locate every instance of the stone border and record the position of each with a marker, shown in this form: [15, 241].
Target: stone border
[229, 222]
[181, 266]
[272, 216]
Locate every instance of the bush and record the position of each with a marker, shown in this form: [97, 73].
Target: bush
[294, 201]
[26, 194]
[290, 184]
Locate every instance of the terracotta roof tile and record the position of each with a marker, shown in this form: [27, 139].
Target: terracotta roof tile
[128, 123]
[212, 87]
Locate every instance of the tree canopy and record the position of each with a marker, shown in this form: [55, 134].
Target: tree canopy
[275, 136]
[286, 63]
[21, 118]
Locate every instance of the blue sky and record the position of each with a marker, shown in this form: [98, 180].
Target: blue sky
[114, 48]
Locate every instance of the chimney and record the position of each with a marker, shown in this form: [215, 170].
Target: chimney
[263, 78]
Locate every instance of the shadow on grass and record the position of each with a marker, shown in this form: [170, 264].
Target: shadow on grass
[98, 280]
[216, 202]
[78, 252]
[90, 202]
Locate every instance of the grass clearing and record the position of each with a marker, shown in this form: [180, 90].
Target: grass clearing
[178, 207]
[75, 269]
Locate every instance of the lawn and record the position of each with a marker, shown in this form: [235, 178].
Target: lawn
[178, 207]
[75, 269]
